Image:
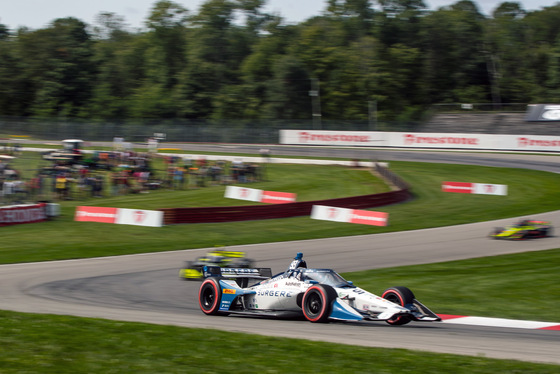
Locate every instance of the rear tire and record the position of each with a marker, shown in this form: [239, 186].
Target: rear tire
[317, 303]
[209, 296]
[401, 296]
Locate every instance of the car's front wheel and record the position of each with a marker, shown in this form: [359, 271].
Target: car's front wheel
[209, 296]
[401, 296]
[317, 303]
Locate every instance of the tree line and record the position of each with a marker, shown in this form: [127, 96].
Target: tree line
[231, 60]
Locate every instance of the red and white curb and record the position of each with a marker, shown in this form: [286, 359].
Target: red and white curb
[499, 322]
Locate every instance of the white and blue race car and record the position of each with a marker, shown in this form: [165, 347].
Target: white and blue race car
[319, 295]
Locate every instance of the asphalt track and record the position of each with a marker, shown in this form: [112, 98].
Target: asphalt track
[146, 288]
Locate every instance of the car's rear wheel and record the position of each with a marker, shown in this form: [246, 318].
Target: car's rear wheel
[401, 296]
[209, 296]
[317, 303]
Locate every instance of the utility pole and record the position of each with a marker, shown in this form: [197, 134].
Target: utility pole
[315, 104]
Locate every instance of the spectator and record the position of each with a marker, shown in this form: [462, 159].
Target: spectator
[178, 178]
[61, 186]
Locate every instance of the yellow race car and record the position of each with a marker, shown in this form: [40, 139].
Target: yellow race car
[523, 229]
[218, 257]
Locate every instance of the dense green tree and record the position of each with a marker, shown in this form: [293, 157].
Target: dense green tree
[58, 64]
[119, 64]
[217, 50]
[163, 60]
[288, 90]
[231, 60]
[13, 99]
[355, 16]
[455, 67]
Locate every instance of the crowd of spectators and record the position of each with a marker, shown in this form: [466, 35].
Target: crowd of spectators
[111, 173]
[186, 173]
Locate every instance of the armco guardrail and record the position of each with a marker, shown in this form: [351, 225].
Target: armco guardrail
[259, 212]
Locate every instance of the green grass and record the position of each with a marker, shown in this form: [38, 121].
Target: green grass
[508, 286]
[61, 344]
[529, 192]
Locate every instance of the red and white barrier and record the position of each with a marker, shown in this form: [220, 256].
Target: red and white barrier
[25, 213]
[138, 217]
[365, 217]
[253, 194]
[475, 188]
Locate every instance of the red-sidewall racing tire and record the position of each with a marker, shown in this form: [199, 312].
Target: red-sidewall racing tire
[317, 303]
[209, 296]
[400, 296]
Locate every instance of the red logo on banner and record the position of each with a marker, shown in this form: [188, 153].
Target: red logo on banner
[332, 213]
[272, 197]
[139, 216]
[459, 187]
[366, 217]
[95, 214]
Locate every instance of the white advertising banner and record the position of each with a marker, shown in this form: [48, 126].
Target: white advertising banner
[490, 189]
[421, 140]
[243, 193]
[331, 213]
[152, 218]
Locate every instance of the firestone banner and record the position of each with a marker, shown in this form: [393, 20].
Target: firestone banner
[421, 140]
[18, 214]
[365, 217]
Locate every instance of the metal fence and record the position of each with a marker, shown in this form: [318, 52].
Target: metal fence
[140, 130]
[216, 131]
[223, 131]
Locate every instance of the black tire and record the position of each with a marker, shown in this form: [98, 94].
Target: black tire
[317, 303]
[401, 296]
[209, 296]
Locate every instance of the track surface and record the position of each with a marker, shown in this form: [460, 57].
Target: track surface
[146, 288]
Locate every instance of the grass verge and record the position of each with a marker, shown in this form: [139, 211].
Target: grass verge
[61, 344]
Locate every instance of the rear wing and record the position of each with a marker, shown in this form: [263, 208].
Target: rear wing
[248, 273]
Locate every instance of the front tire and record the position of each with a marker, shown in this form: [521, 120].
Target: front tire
[209, 296]
[317, 303]
[401, 296]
